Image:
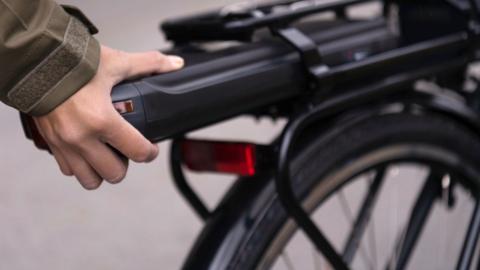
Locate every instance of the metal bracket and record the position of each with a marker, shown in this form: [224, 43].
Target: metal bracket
[287, 196]
[310, 56]
[182, 184]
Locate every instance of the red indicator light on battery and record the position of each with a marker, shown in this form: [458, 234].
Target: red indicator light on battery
[124, 107]
[222, 157]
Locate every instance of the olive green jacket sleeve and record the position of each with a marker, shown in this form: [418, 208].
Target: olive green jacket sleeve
[46, 55]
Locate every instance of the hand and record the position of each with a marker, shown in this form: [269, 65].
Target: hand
[82, 131]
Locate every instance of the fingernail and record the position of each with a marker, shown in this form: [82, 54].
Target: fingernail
[176, 61]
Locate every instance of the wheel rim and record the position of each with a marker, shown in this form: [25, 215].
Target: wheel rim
[437, 160]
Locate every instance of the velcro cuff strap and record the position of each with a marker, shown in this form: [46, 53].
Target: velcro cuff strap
[32, 89]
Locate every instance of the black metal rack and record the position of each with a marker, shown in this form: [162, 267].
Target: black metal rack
[214, 26]
[188, 29]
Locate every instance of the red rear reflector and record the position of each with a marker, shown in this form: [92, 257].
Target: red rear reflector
[224, 157]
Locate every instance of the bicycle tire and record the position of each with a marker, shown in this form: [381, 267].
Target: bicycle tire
[329, 151]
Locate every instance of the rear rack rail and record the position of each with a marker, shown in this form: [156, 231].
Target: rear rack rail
[242, 25]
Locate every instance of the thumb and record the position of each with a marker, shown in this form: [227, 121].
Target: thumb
[146, 63]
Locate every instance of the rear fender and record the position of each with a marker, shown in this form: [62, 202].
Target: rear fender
[222, 236]
[445, 103]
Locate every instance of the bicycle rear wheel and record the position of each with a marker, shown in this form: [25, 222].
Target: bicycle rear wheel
[390, 191]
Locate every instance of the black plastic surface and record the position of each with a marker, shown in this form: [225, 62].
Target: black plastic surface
[242, 24]
[223, 83]
[126, 92]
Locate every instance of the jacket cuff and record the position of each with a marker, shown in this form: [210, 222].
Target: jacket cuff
[77, 13]
[72, 82]
[62, 73]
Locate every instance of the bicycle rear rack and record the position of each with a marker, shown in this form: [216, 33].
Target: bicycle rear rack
[241, 26]
[319, 75]
[315, 114]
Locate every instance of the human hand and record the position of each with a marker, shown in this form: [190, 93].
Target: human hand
[82, 131]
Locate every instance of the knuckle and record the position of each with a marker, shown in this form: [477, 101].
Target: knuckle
[68, 134]
[72, 137]
[98, 123]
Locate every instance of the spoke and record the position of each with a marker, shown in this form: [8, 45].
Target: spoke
[287, 260]
[470, 241]
[394, 173]
[429, 193]
[373, 243]
[400, 240]
[363, 218]
[317, 262]
[347, 211]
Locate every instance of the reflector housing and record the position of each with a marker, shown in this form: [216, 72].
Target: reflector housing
[223, 157]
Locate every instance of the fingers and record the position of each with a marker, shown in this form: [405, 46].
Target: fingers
[142, 64]
[90, 162]
[106, 163]
[84, 173]
[89, 156]
[130, 142]
[61, 160]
